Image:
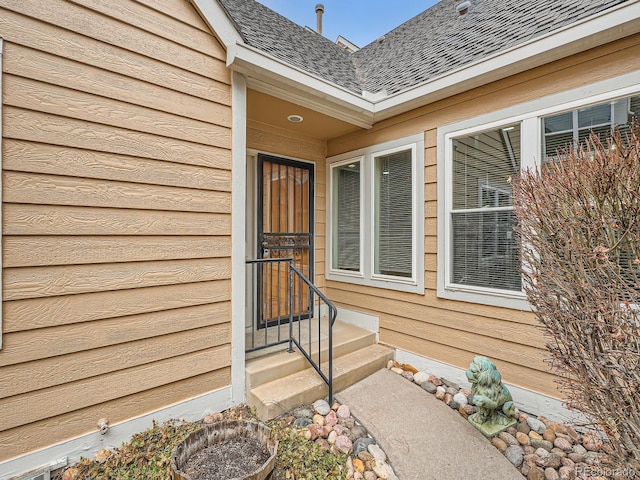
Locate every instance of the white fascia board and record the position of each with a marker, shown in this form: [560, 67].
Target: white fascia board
[219, 23]
[608, 26]
[275, 77]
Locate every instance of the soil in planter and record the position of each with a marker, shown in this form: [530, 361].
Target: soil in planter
[237, 457]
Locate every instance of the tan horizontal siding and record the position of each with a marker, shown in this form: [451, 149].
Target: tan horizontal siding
[37, 435]
[24, 156]
[44, 343]
[448, 331]
[103, 360]
[32, 251]
[117, 214]
[24, 219]
[40, 35]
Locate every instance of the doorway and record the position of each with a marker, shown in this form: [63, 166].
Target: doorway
[284, 231]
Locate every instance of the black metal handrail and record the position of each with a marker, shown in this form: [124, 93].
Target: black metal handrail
[304, 301]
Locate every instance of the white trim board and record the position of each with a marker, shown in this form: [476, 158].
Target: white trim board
[526, 400]
[238, 234]
[88, 445]
[360, 319]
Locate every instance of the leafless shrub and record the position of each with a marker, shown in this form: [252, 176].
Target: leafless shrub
[579, 224]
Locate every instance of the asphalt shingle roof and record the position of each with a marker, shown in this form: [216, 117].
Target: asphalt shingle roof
[427, 46]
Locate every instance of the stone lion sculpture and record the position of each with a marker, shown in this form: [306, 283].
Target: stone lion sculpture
[490, 396]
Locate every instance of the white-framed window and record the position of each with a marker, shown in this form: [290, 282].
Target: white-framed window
[478, 259]
[375, 216]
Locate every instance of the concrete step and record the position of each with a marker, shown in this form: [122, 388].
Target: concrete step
[347, 338]
[303, 387]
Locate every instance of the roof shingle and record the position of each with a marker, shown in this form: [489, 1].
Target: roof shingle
[431, 44]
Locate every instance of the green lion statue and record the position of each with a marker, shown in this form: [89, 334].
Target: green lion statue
[493, 400]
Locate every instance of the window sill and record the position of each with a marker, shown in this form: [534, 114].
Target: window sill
[410, 286]
[485, 296]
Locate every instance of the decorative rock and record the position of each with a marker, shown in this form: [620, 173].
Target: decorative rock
[326, 430]
[591, 458]
[429, 387]
[575, 436]
[361, 445]
[397, 370]
[514, 455]
[390, 364]
[343, 411]
[343, 444]
[302, 422]
[512, 431]
[331, 438]
[331, 419]
[408, 375]
[500, 444]
[452, 391]
[535, 435]
[370, 475]
[450, 384]
[358, 465]
[460, 398]
[377, 453]
[315, 430]
[563, 444]
[440, 393]
[535, 443]
[552, 460]
[407, 367]
[420, 377]
[536, 425]
[303, 412]
[448, 398]
[435, 380]
[358, 431]
[510, 440]
[469, 409]
[384, 470]
[523, 439]
[453, 404]
[567, 473]
[558, 451]
[523, 427]
[551, 474]
[339, 429]
[549, 435]
[347, 422]
[536, 473]
[591, 442]
[357, 476]
[318, 419]
[321, 407]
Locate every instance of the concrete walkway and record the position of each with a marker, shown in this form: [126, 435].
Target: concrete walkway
[423, 438]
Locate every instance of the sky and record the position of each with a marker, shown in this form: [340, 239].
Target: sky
[359, 21]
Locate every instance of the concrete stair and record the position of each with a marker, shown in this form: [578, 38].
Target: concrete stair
[279, 382]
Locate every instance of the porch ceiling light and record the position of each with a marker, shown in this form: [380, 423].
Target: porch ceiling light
[295, 118]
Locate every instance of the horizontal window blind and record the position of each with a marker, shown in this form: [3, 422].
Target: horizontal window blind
[346, 217]
[394, 213]
[484, 249]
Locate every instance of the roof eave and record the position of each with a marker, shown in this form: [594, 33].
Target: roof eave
[275, 77]
[608, 26]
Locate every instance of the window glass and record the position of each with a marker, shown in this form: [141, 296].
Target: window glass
[484, 248]
[346, 217]
[394, 214]
[573, 128]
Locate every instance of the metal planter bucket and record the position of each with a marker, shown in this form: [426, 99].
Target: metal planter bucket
[217, 434]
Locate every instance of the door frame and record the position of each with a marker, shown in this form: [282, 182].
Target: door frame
[254, 189]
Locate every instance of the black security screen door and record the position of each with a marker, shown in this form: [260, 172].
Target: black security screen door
[285, 230]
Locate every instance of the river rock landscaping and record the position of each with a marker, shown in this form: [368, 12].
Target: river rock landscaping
[539, 448]
[322, 441]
